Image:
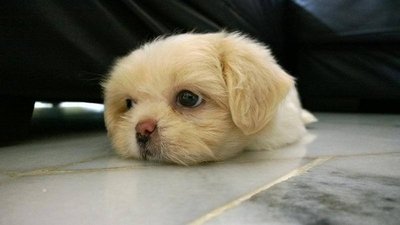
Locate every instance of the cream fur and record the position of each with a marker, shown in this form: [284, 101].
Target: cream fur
[249, 101]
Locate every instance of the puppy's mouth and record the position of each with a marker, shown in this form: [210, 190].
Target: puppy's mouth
[148, 147]
[146, 153]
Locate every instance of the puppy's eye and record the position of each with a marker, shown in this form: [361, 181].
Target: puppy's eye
[189, 99]
[129, 103]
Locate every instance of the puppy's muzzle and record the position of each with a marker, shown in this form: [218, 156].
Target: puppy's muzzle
[144, 132]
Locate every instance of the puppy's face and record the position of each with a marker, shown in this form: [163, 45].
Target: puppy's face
[192, 98]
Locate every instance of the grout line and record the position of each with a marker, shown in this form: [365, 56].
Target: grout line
[82, 161]
[367, 154]
[61, 171]
[37, 171]
[45, 172]
[56, 171]
[218, 211]
[324, 156]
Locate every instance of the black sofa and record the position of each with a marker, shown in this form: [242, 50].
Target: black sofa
[345, 54]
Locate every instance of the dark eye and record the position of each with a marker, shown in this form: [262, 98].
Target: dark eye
[188, 99]
[129, 103]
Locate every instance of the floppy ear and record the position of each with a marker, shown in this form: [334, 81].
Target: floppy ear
[256, 83]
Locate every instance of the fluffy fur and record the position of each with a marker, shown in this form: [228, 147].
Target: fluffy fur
[250, 102]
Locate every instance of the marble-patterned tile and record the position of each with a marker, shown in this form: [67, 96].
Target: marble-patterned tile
[162, 194]
[55, 151]
[351, 139]
[112, 161]
[344, 135]
[336, 136]
[320, 143]
[353, 190]
[389, 120]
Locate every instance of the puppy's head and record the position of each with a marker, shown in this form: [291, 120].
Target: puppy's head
[192, 98]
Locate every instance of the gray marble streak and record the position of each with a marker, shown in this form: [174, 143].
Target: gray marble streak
[338, 192]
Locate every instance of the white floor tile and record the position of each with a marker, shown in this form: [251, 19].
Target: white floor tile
[54, 151]
[147, 195]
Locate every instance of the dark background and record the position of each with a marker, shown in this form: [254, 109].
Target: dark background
[344, 54]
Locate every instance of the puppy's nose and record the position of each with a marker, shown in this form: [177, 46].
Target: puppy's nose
[146, 127]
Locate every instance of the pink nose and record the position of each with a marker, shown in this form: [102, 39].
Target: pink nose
[146, 127]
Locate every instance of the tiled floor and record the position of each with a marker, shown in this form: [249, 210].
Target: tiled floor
[345, 171]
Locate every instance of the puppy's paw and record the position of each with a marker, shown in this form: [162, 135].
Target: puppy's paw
[307, 117]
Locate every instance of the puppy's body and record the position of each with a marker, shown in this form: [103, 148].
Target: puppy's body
[192, 98]
[286, 127]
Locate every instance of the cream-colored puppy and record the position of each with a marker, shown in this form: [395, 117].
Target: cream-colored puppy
[192, 98]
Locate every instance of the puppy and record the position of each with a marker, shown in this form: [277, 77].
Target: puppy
[192, 98]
